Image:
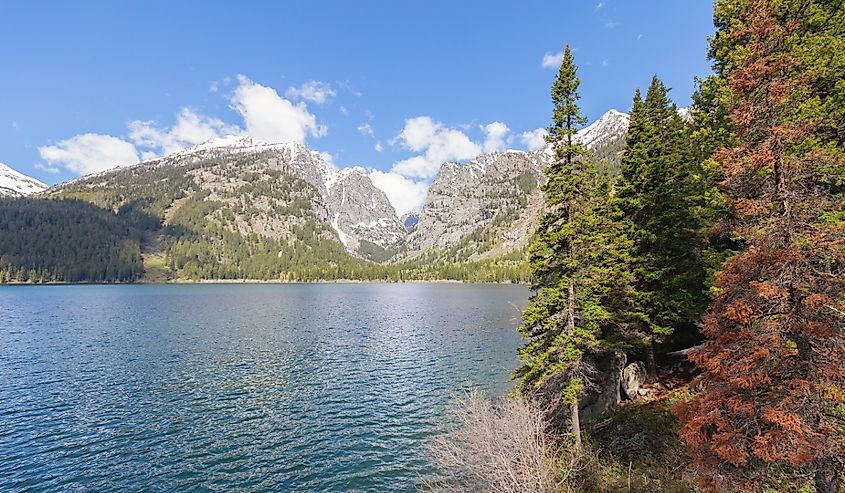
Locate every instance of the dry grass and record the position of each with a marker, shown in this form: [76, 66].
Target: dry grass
[503, 446]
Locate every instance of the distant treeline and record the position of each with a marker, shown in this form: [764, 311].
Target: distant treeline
[65, 241]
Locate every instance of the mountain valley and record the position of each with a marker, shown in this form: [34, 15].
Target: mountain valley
[237, 208]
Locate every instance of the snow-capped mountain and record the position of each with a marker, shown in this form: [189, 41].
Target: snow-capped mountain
[346, 198]
[488, 207]
[609, 127]
[16, 184]
[360, 211]
[357, 210]
[484, 208]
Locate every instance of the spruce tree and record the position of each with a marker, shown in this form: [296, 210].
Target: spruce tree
[658, 195]
[578, 259]
[711, 129]
[773, 364]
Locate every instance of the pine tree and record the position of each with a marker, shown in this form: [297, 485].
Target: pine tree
[578, 258]
[658, 195]
[773, 364]
[711, 129]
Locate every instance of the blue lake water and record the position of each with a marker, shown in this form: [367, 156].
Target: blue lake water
[324, 387]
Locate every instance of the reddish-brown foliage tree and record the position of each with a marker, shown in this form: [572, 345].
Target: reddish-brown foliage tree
[772, 386]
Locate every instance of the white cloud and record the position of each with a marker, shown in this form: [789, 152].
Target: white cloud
[611, 24]
[266, 115]
[436, 142]
[90, 153]
[552, 60]
[313, 90]
[495, 136]
[347, 86]
[218, 85]
[417, 166]
[48, 169]
[328, 158]
[418, 133]
[272, 118]
[534, 140]
[366, 129]
[405, 195]
[189, 129]
[378, 147]
[598, 6]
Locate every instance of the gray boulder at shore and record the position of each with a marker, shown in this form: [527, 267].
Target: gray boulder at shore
[633, 376]
[604, 392]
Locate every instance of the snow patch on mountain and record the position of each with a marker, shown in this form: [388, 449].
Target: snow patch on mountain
[16, 184]
[609, 126]
[357, 210]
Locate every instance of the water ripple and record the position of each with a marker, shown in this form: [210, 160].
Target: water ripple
[239, 388]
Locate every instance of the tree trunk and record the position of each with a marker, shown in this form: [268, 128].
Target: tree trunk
[826, 479]
[570, 310]
[651, 362]
[576, 424]
[570, 329]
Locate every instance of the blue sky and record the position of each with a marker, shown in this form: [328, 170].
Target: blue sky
[384, 85]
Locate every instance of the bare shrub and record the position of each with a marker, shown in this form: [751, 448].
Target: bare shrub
[502, 446]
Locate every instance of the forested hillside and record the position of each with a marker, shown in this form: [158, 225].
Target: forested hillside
[65, 240]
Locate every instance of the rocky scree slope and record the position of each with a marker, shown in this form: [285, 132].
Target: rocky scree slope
[483, 209]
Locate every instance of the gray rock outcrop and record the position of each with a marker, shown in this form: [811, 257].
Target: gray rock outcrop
[486, 208]
[633, 376]
[495, 194]
[604, 392]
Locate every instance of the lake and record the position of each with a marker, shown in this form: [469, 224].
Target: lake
[248, 387]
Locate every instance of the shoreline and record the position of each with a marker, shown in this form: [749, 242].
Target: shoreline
[259, 281]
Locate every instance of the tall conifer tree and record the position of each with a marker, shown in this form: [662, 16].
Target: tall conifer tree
[578, 258]
[658, 196]
[773, 364]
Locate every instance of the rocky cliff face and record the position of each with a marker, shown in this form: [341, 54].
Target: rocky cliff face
[494, 196]
[360, 212]
[488, 207]
[485, 208]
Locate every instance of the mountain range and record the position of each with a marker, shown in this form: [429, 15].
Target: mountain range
[198, 204]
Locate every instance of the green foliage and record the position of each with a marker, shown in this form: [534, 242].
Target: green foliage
[608, 155]
[578, 256]
[526, 182]
[771, 352]
[65, 241]
[374, 252]
[662, 193]
[639, 449]
[192, 232]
